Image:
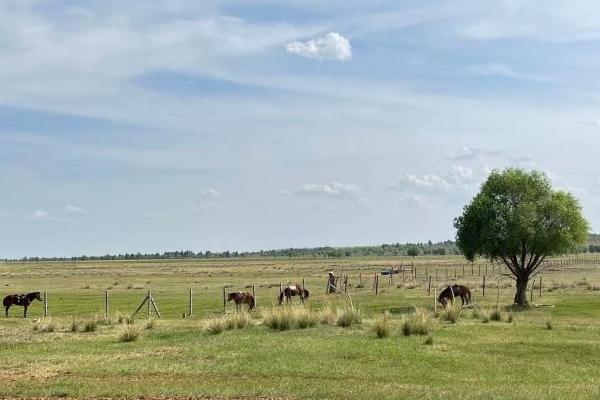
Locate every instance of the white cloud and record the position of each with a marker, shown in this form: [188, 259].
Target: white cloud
[210, 193]
[473, 153]
[333, 189]
[40, 214]
[70, 209]
[458, 179]
[332, 46]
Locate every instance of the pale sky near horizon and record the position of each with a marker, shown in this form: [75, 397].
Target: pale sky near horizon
[172, 125]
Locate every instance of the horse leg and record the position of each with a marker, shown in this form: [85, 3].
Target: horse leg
[24, 311]
[7, 307]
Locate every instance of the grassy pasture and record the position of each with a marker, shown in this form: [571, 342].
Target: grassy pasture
[469, 359]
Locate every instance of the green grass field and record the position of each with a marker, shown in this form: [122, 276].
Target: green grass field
[468, 359]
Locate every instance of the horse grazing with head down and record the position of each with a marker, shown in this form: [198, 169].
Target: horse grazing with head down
[295, 290]
[240, 298]
[23, 300]
[453, 291]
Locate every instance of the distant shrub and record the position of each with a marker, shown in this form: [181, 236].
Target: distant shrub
[419, 323]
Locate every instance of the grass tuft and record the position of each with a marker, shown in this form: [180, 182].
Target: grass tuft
[215, 326]
[451, 314]
[496, 315]
[90, 325]
[328, 316]
[150, 324]
[429, 340]
[383, 326]
[348, 317]
[129, 333]
[419, 323]
[75, 325]
[549, 324]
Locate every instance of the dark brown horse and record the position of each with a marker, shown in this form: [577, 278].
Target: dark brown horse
[453, 291]
[23, 300]
[240, 298]
[294, 290]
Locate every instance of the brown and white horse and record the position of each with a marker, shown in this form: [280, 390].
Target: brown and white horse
[23, 300]
[240, 298]
[453, 291]
[293, 290]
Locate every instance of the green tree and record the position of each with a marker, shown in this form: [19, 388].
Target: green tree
[518, 219]
[412, 251]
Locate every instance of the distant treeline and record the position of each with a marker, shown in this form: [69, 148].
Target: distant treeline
[408, 249]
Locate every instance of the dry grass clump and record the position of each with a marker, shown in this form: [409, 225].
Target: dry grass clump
[382, 326]
[305, 318]
[75, 325]
[327, 316]
[279, 318]
[150, 324]
[47, 325]
[215, 325]
[124, 319]
[451, 314]
[238, 320]
[348, 317]
[90, 325]
[129, 333]
[496, 315]
[549, 324]
[418, 323]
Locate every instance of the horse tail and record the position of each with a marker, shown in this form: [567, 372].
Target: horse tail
[252, 302]
[306, 293]
[281, 297]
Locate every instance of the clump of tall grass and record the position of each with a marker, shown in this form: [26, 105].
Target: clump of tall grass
[382, 326]
[496, 315]
[129, 333]
[451, 314]
[305, 318]
[429, 340]
[327, 316]
[549, 324]
[348, 317]
[90, 325]
[418, 323]
[215, 325]
[45, 326]
[150, 324]
[75, 325]
[125, 319]
[280, 318]
[509, 318]
[238, 320]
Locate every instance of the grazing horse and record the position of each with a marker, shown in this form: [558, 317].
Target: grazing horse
[290, 291]
[23, 300]
[240, 298]
[455, 291]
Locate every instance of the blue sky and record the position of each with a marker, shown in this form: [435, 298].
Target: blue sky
[152, 126]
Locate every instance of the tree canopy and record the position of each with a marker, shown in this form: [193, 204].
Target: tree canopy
[518, 219]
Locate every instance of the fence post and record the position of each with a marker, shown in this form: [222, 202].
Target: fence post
[224, 300]
[149, 310]
[429, 286]
[376, 284]
[190, 310]
[463, 269]
[531, 295]
[434, 299]
[45, 303]
[106, 303]
[254, 294]
[483, 287]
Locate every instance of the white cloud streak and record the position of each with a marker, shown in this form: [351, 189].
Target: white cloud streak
[332, 46]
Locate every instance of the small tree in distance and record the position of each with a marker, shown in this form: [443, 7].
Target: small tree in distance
[519, 220]
[412, 251]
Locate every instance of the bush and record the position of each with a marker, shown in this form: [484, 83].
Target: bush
[90, 325]
[129, 333]
[451, 314]
[75, 325]
[348, 317]
[419, 323]
[215, 326]
[496, 315]
[383, 326]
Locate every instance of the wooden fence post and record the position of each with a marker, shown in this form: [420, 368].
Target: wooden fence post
[106, 303]
[190, 305]
[45, 303]
[483, 287]
[224, 300]
[149, 305]
[429, 286]
[254, 294]
[376, 283]
[531, 295]
[434, 299]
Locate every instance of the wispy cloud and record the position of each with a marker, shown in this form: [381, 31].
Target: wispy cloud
[70, 209]
[332, 46]
[335, 189]
[473, 153]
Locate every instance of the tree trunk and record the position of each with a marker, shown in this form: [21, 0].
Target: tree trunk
[521, 295]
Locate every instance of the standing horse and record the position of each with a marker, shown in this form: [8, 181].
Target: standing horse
[23, 300]
[240, 298]
[290, 291]
[453, 291]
